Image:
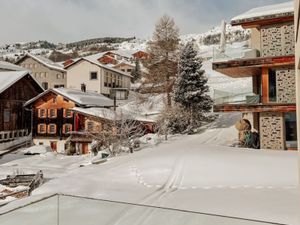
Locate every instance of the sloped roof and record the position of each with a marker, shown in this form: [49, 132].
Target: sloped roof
[9, 66]
[119, 114]
[265, 12]
[8, 78]
[46, 62]
[94, 59]
[83, 99]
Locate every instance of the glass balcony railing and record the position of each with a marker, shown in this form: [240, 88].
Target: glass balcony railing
[72, 210]
[234, 52]
[222, 97]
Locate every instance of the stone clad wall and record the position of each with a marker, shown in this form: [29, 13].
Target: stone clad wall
[272, 131]
[285, 85]
[277, 40]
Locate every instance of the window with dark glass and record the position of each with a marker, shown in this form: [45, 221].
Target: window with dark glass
[52, 113]
[6, 115]
[45, 85]
[272, 85]
[52, 128]
[93, 76]
[290, 126]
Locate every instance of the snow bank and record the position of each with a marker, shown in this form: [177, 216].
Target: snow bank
[37, 149]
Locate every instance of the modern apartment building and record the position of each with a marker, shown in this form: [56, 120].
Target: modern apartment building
[270, 62]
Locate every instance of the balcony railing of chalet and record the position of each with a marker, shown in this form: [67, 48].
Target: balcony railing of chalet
[9, 139]
[238, 52]
[74, 210]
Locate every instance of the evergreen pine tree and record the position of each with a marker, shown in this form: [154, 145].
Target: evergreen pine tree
[136, 73]
[191, 86]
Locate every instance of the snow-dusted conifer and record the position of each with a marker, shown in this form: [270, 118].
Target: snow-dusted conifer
[191, 89]
[136, 72]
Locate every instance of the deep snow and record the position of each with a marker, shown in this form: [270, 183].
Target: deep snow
[195, 173]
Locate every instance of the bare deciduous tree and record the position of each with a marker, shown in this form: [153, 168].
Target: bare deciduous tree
[163, 56]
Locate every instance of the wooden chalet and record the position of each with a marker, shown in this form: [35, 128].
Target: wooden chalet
[16, 87]
[140, 55]
[53, 118]
[273, 103]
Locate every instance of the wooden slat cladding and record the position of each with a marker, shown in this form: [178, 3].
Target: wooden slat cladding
[13, 100]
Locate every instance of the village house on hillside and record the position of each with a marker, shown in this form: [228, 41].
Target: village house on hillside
[53, 118]
[98, 77]
[16, 87]
[46, 72]
[273, 104]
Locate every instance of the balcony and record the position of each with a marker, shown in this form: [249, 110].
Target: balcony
[75, 210]
[249, 103]
[235, 52]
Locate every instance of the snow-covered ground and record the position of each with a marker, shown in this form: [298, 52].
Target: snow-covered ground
[197, 173]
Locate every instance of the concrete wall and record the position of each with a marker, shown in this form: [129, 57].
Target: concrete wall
[255, 39]
[44, 74]
[272, 131]
[80, 73]
[277, 40]
[47, 142]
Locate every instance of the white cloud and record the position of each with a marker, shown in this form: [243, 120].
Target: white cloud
[71, 20]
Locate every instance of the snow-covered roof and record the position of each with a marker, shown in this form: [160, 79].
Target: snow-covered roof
[94, 59]
[9, 66]
[46, 62]
[97, 112]
[265, 12]
[84, 99]
[8, 78]
[120, 113]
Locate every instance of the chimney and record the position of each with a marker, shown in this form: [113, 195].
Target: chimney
[83, 87]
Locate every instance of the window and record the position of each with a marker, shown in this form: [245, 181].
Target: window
[52, 128]
[129, 70]
[67, 128]
[42, 113]
[290, 126]
[68, 113]
[6, 115]
[52, 113]
[42, 128]
[93, 76]
[272, 85]
[58, 76]
[45, 85]
[90, 125]
[46, 75]
[42, 74]
[35, 65]
[41, 143]
[59, 86]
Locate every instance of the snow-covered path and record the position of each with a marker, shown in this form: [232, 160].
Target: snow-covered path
[194, 173]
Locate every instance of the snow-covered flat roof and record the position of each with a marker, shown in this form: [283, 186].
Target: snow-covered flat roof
[265, 12]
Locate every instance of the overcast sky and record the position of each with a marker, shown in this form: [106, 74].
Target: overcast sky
[72, 20]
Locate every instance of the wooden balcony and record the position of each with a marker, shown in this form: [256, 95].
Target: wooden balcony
[247, 67]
